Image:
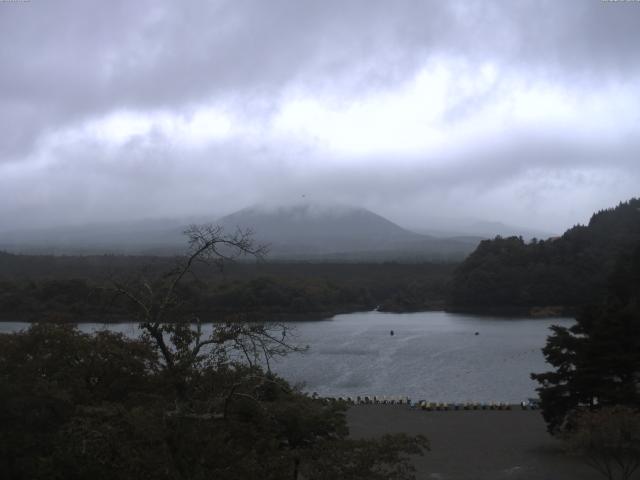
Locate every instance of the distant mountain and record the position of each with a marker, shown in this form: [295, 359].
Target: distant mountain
[319, 229]
[340, 232]
[569, 271]
[133, 237]
[448, 227]
[300, 232]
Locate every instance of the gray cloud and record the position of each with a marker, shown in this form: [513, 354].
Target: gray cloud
[68, 64]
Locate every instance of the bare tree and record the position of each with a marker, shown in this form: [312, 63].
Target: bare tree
[181, 341]
[609, 440]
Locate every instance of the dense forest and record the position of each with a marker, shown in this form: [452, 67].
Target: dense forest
[68, 288]
[557, 275]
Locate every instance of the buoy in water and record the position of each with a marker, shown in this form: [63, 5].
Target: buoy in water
[391, 333]
[477, 333]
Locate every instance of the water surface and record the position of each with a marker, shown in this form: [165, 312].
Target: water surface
[432, 355]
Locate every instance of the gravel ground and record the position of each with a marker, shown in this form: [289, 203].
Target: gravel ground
[475, 445]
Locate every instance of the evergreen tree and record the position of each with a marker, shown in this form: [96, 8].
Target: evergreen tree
[597, 360]
[571, 271]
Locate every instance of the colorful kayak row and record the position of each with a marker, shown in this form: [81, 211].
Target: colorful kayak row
[530, 404]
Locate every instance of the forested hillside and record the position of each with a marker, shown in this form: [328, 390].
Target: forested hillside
[547, 276]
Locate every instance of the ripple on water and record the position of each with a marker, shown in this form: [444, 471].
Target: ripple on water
[432, 355]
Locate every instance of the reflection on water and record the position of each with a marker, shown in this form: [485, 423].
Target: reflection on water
[431, 355]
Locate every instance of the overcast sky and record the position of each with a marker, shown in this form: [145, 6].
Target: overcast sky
[526, 112]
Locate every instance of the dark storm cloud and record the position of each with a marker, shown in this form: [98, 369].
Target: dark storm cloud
[68, 64]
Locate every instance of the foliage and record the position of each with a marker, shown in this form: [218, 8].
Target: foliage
[608, 440]
[47, 373]
[175, 403]
[597, 360]
[570, 271]
[75, 405]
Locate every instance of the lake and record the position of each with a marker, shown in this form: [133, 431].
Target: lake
[432, 355]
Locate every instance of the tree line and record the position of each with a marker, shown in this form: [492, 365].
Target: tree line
[568, 272]
[76, 289]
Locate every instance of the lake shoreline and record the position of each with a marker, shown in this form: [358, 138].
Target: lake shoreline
[286, 317]
[549, 311]
[247, 316]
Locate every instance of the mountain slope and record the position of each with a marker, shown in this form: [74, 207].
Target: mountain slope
[325, 228]
[338, 231]
[569, 271]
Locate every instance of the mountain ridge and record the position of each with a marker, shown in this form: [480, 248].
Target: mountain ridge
[339, 230]
[300, 231]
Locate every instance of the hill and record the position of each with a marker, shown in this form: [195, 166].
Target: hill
[567, 272]
[341, 233]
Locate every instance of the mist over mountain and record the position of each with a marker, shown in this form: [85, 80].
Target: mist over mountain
[340, 231]
[304, 231]
[160, 236]
[319, 229]
[451, 227]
